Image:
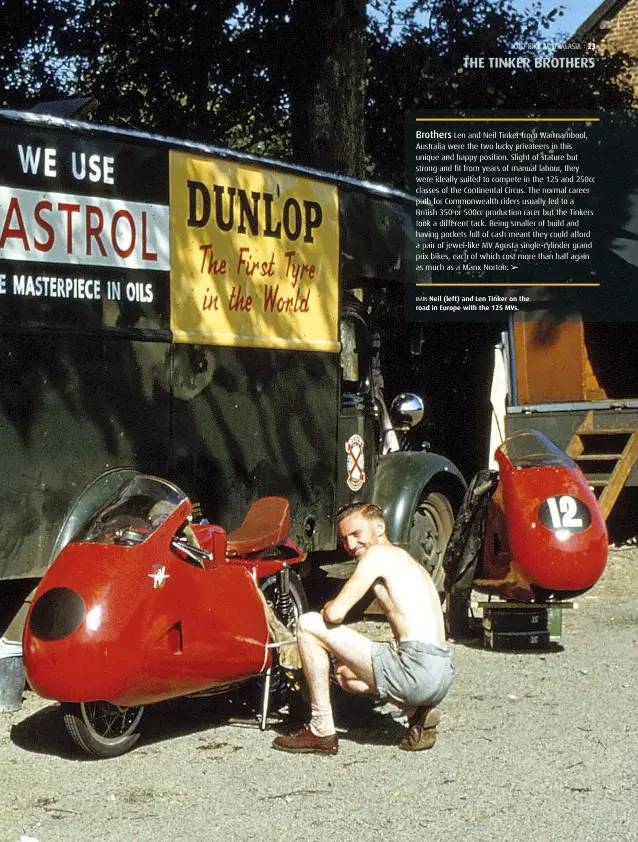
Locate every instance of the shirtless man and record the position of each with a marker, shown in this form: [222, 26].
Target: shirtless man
[414, 671]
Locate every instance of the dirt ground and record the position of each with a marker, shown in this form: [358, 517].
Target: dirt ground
[533, 747]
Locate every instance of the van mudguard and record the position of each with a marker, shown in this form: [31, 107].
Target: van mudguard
[401, 480]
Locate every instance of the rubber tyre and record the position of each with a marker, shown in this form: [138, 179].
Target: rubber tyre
[102, 729]
[432, 525]
[297, 594]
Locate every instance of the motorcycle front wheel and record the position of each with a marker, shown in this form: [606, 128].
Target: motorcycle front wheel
[284, 688]
[287, 612]
[102, 729]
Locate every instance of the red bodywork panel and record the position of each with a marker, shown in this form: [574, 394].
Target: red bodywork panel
[155, 625]
[544, 528]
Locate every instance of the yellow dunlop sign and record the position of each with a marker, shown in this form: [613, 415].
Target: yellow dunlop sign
[254, 256]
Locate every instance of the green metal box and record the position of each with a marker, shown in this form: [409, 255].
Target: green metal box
[521, 626]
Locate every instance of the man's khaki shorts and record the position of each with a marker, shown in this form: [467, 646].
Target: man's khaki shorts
[412, 672]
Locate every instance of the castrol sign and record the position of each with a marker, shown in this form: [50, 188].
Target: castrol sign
[70, 228]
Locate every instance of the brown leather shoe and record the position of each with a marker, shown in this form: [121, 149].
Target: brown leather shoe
[421, 729]
[305, 742]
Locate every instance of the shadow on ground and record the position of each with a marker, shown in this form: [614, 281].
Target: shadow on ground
[44, 732]
[358, 719]
[362, 719]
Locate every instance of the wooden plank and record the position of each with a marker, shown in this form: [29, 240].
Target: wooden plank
[596, 457]
[587, 424]
[619, 476]
[339, 570]
[548, 361]
[575, 446]
[375, 608]
[613, 431]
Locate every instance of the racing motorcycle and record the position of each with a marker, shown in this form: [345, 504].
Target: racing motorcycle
[141, 605]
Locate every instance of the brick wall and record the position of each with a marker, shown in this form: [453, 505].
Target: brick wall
[619, 31]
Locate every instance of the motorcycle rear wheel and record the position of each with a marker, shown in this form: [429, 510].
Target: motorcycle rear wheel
[102, 729]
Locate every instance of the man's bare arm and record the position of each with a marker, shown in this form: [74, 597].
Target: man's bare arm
[366, 573]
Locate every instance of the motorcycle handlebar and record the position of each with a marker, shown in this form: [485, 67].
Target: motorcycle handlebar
[194, 553]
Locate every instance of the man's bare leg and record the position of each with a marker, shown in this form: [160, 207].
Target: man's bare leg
[315, 641]
[316, 666]
[348, 681]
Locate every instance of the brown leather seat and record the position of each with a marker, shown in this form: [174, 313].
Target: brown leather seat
[267, 523]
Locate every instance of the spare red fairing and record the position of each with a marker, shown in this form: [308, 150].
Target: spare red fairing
[544, 529]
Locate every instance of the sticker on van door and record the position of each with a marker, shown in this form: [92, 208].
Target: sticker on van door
[355, 462]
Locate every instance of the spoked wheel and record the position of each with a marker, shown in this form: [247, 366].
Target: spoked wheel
[430, 532]
[287, 609]
[103, 729]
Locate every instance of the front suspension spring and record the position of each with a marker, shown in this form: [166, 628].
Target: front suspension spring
[283, 601]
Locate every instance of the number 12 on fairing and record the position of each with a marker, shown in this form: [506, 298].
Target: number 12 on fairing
[564, 512]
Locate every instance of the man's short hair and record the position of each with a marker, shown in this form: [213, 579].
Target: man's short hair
[370, 511]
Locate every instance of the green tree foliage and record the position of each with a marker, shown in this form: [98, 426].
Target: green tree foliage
[29, 65]
[264, 75]
[171, 66]
[291, 78]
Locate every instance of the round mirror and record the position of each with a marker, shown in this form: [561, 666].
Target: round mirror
[406, 410]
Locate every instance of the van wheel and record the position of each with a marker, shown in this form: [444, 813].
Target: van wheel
[432, 525]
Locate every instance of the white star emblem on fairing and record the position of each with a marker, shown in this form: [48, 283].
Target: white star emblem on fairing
[159, 576]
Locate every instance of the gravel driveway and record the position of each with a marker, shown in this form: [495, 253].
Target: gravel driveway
[533, 747]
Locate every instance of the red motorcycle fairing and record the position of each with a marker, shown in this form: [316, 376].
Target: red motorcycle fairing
[153, 625]
[544, 527]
